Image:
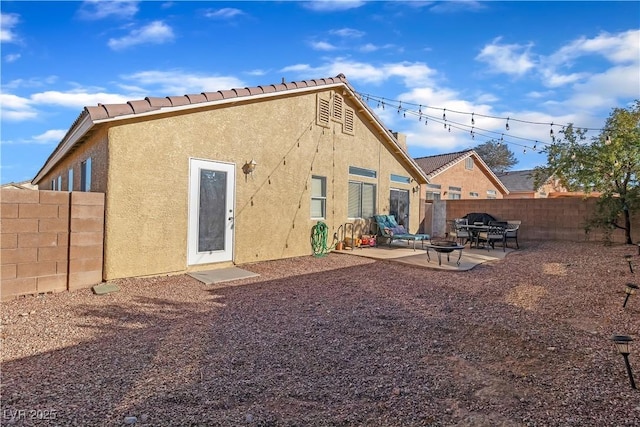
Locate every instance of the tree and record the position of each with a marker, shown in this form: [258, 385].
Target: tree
[497, 156]
[610, 164]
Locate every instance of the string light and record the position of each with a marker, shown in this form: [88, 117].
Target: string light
[490, 134]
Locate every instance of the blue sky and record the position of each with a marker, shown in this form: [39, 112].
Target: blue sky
[535, 63]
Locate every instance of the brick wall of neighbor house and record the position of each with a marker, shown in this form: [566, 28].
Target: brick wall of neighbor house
[543, 219]
[51, 241]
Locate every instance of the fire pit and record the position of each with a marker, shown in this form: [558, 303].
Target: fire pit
[444, 246]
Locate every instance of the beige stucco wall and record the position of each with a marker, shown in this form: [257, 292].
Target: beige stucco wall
[148, 180]
[470, 180]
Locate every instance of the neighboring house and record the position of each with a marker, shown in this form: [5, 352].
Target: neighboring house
[235, 176]
[460, 175]
[521, 185]
[23, 185]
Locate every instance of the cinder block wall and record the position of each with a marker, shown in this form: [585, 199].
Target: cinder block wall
[36, 231]
[543, 219]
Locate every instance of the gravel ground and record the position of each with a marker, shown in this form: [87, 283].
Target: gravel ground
[336, 341]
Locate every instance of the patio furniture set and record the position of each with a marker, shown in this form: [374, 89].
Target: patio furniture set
[483, 229]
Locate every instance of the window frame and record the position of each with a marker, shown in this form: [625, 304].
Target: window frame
[322, 198]
[361, 209]
[85, 175]
[468, 163]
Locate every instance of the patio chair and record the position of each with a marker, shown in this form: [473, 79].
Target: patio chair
[493, 234]
[388, 228]
[458, 232]
[512, 231]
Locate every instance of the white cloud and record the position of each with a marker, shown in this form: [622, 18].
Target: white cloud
[370, 47]
[77, 99]
[322, 46]
[13, 57]
[332, 5]
[156, 32]
[513, 59]
[53, 135]
[7, 23]
[347, 32]
[411, 73]
[617, 48]
[16, 108]
[224, 13]
[177, 82]
[100, 9]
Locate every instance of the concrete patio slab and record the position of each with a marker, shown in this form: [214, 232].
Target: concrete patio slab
[399, 252]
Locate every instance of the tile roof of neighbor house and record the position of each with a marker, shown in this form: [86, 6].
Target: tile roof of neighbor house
[94, 115]
[517, 181]
[434, 165]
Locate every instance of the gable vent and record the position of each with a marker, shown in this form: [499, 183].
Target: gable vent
[348, 126]
[323, 113]
[338, 104]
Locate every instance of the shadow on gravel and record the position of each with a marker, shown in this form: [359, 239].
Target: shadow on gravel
[381, 344]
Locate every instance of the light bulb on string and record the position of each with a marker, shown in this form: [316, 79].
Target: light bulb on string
[551, 131]
[400, 107]
[444, 114]
[534, 145]
[524, 151]
[608, 140]
[425, 122]
[507, 124]
[445, 125]
[420, 110]
[449, 128]
[473, 122]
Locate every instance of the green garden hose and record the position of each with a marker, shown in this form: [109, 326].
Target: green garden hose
[319, 236]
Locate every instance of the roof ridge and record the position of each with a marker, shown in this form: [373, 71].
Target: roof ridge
[151, 103]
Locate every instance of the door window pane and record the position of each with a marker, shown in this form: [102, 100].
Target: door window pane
[212, 210]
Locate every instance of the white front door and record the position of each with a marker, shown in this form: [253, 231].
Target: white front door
[211, 204]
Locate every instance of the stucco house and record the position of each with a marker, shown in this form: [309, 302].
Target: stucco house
[521, 185]
[459, 175]
[232, 177]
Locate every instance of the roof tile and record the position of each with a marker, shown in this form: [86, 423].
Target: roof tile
[177, 101]
[97, 112]
[255, 90]
[156, 101]
[196, 98]
[141, 106]
[114, 110]
[213, 96]
[242, 91]
[226, 94]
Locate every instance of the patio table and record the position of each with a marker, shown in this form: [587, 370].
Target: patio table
[445, 247]
[473, 232]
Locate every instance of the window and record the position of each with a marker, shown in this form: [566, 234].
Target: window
[362, 199]
[454, 193]
[435, 186]
[468, 163]
[491, 194]
[473, 194]
[318, 197]
[85, 175]
[59, 186]
[53, 184]
[70, 180]
[400, 178]
[433, 195]
[354, 170]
